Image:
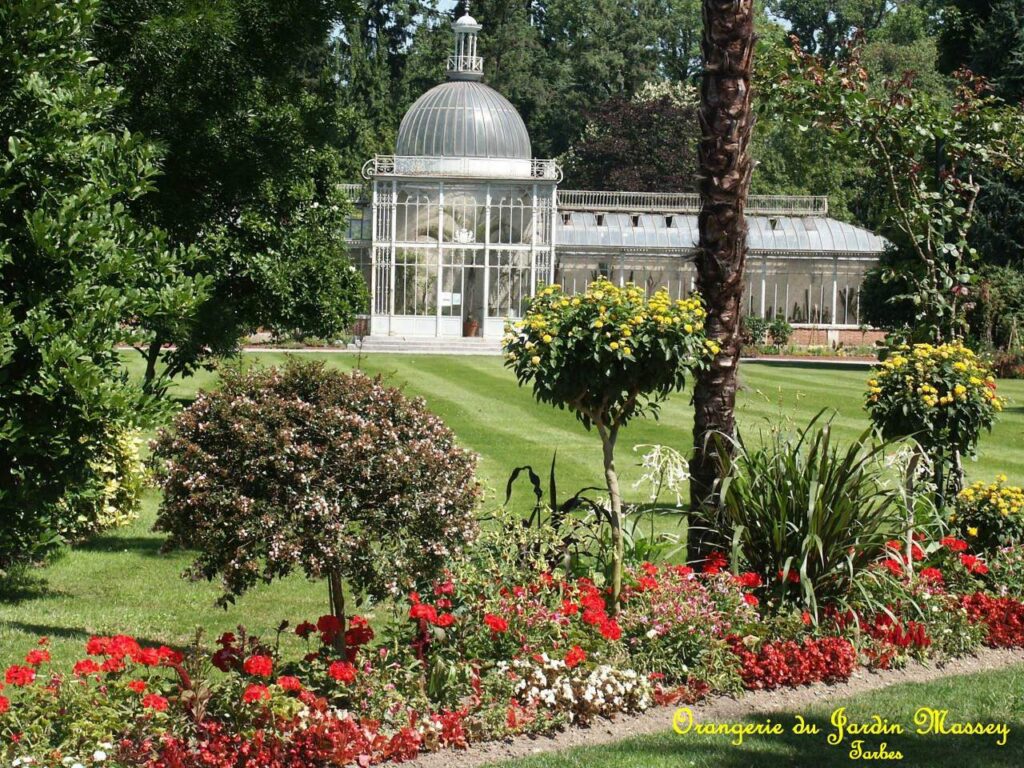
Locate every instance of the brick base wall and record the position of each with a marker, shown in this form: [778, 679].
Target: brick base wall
[832, 337]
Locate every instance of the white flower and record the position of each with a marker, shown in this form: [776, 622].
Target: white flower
[99, 756]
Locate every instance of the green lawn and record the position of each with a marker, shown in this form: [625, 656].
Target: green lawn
[121, 582]
[991, 697]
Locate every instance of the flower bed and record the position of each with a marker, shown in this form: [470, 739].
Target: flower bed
[489, 650]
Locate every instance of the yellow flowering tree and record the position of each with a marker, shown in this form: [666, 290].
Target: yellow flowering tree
[991, 515]
[608, 355]
[941, 395]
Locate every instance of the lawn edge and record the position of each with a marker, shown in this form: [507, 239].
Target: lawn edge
[659, 719]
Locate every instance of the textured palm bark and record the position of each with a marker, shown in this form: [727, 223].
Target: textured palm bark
[725, 165]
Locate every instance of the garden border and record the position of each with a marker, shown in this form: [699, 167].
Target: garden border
[659, 719]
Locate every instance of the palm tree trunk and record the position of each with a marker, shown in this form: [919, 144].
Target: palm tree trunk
[726, 121]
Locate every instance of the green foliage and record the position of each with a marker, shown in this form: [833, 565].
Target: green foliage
[928, 151]
[998, 315]
[309, 468]
[79, 278]
[754, 329]
[807, 514]
[779, 331]
[608, 356]
[253, 154]
[990, 515]
[941, 396]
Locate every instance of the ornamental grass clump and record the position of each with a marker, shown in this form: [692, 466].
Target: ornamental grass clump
[307, 468]
[608, 355]
[943, 396]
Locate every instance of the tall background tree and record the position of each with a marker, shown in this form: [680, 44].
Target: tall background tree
[78, 277]
[242, 98]
[726, 121]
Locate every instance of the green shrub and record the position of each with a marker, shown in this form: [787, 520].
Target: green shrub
[78, 278]
[942, 396]
[779, 332]
[754, 330]
[307, 468]
[608, 355]
[807, 514]
[990, 515]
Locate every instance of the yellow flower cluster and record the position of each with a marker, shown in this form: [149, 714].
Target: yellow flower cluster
[617, 318]
[936, 375]
[998, 497]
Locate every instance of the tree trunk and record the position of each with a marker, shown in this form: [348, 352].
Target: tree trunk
[726, 122]
[608, 437]
[337, 592]
[152, 358]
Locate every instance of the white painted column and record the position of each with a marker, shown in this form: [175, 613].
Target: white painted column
[487, 258]
[440, 258]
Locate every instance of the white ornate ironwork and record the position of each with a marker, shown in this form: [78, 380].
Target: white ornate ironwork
[466, 64]
[462, 167]
[686, 202]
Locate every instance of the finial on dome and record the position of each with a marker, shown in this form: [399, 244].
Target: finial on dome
[464, 64]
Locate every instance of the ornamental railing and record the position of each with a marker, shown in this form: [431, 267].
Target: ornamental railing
[686, 202]
[462, 167]
[474, 64]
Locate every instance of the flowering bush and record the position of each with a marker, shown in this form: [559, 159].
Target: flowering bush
[943, 396]
[768, 665]
[306, 467]
[607, 355]
[1003, 618]
[1006, 572]
[990, 515]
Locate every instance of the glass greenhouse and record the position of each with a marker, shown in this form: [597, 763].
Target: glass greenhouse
[461, 225]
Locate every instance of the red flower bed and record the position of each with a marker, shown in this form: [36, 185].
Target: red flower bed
[1003, 616]
[789, 663]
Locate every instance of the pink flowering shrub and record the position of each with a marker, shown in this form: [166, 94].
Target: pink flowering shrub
[309, 468]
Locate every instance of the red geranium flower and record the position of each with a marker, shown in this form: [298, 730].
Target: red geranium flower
[305, 629]
[423, 611]
[610, 629]
[85, 667]
[256, 693]
[650, 569]
[750, 580]
[496, 623]
[289, 683]
[137, 685]
[575, 657]
[569, 608]
[973, 565]
[329, 627]
[954, 544]
[342, 671]
[444, 588]
[113, 664]
[37, 656]
[646, 584]
[260, 666]
[715, 563]
[750, 599]
[683, 570]
[148, 657]
[5, 704]
[444, 620]
[793, 576]
[155, 702]
[359, 632]
[17, 675]
[933, 575]
[892, 566]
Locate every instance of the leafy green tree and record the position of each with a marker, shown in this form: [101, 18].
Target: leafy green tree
[987, 36]
[928, 153]
[824, 27]
[608, 356]
[240, 96]
[79, 277]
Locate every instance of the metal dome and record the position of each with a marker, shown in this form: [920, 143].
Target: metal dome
[463, 118]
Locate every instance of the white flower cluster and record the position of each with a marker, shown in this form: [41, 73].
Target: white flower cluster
[99, 757]
[581, 693]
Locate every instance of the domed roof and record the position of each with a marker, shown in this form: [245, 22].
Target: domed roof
[463, 118]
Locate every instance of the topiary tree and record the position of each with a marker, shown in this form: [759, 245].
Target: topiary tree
[607, 355]
[309, 468]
